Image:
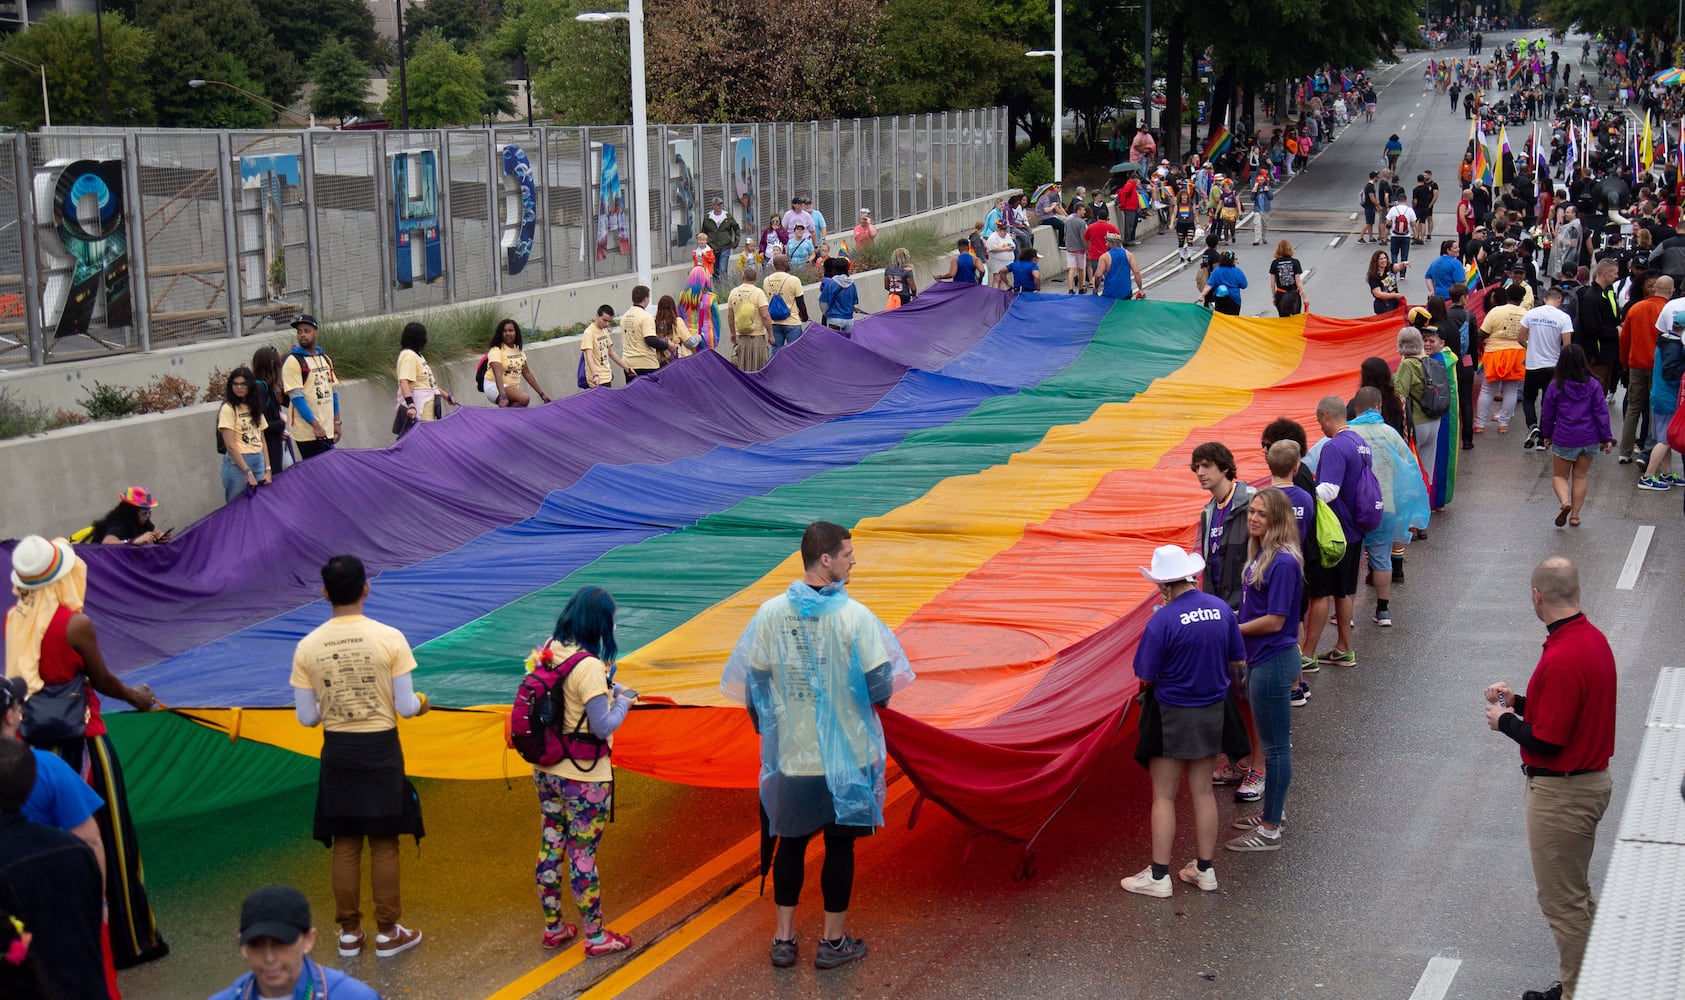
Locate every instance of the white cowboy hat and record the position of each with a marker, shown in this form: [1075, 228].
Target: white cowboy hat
[1171, 564]
[38, 563]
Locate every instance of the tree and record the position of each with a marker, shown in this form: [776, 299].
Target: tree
[581, 73]
[341, 82]
[499, 92]
[722, 60]
[64, 44]
[445, 86]
[216, 40]
[460, 22]
[301, 27]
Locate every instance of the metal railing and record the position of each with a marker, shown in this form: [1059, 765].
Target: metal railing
[122, 240]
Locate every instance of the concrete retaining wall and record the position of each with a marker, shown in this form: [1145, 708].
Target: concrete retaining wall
[59, 482]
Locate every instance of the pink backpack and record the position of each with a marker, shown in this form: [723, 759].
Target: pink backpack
[536, 718]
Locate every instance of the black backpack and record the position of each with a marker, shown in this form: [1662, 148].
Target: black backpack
[1436, 389]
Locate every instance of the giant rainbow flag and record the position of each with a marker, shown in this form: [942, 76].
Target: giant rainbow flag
[1005, 464]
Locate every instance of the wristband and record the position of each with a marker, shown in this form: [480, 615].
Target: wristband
[408, 401]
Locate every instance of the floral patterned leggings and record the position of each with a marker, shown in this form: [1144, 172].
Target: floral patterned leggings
[575, 814]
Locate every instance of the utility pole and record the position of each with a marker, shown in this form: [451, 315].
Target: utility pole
[403, 82]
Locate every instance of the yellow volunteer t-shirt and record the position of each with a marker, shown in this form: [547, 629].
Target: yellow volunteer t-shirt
[790, 287]
[350, 662]
[680, 333]
[636, 324]
[414, 369]
[318, 392]
[248, 434]
[513, 360]
[587, 680]
[754, 295]
[596, 343]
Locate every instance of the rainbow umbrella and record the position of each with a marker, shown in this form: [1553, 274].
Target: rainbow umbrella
[1670, 77]
[1041, 191]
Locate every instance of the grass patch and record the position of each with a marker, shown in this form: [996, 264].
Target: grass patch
[368, 349]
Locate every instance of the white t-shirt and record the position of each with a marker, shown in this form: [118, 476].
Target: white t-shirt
[1664, 319]
[1400, 215]
[1545, 326]
[1002, 248]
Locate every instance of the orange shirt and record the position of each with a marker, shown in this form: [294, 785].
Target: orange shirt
[1638, 333]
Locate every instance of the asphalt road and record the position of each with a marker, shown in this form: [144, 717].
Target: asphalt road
[1405, 841]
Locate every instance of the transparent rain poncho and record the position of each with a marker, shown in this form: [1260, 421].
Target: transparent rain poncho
[1404, 496]
[810, 666]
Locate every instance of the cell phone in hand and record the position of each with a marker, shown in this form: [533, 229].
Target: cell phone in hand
[630, 694]
[166, 534]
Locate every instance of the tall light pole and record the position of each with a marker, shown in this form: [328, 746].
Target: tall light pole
[642, 252]
[279, 109]
[1058, 54]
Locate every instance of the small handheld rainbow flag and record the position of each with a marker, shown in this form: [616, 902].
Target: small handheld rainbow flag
[1218, 143]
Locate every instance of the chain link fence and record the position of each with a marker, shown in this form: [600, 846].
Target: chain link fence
[121, 240]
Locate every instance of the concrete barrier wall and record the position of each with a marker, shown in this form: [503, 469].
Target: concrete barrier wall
[59, 482]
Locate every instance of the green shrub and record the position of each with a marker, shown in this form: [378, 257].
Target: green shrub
[110, 402]
[369, 348]
[18, 418]
[1033, 170]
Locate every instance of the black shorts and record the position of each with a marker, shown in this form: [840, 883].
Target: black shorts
[1184, 227]
[1334, 581]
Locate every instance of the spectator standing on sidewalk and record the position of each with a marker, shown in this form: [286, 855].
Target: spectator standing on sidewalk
[722, 230]
[1565, 727]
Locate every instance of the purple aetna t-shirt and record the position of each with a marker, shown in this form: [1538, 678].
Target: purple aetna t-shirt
[1279, 593]
[1304, 508]
[1345, 458]
[1186, 650]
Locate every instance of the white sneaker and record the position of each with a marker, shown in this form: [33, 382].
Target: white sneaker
[1190, 873]
[1144, 884]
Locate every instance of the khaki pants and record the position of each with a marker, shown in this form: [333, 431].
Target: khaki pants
[348, 881]
[1637, 405]
[1562, 818]
[751, 352]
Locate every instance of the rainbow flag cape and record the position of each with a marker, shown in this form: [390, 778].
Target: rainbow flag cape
[1482, 159]
[1515, 70]
[1471, 276]
[1219, 141]
[1004, 463]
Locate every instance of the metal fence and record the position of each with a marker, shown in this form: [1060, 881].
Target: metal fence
[115, 240]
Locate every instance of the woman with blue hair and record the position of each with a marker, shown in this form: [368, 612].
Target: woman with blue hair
[575, 794]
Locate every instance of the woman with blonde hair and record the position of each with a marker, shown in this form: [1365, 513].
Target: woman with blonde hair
[898, 277]
[1272, 589]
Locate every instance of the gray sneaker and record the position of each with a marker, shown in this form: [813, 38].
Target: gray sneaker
[840, 952]
[783, 953]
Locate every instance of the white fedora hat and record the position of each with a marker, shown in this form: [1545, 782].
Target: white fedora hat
[1171, 564]
[38, 563]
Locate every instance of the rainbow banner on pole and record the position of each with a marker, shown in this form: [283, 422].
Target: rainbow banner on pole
[1004, 463]
[1218, 143]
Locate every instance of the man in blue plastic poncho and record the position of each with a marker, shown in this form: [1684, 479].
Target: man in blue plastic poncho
[810, 667]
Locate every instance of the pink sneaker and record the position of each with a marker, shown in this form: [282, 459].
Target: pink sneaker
[610, 944]
[560, 936]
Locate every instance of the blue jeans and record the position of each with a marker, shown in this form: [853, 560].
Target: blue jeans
[785, 334]
[233, 480]
[1268, 686]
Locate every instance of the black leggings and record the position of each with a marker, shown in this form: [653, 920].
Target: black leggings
[836, 876]
[1531, 388]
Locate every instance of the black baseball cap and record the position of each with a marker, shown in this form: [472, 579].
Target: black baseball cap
[274, 911]
[305, 318]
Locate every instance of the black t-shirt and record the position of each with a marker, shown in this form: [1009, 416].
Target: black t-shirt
[1421, 196]
[1387, 282]
[50, 881]
[1284, 270]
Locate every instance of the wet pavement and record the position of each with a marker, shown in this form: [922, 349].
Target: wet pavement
[1405, 837]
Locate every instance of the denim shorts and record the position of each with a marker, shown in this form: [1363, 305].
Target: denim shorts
[1572, 454]
[1379, 551]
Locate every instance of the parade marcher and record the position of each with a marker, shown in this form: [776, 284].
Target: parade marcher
[637, 336]
[506, 367]
[1404, 497]
[1189, 653]
[353, 677]
[1503, 358]
[1565, 725]
[307, 377]
[576, 794]
[276, 936]
[812, 667]
[1272, 590]
[1638, 351]
[1346, 483]
[1545, 331]
[418, 391]
[1287, 281]
[1223, 286]
[1669, 367]
[1574, 420]
[1115, 276]
[51, 643]
[239, 427]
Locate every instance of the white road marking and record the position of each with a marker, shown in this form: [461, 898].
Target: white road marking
[1335, 241]
[1418, 104]
[1413, 114]
[1436, 978]
[1352, 217]
[1635, 557]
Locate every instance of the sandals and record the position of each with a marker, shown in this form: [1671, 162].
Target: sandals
[1574, 522]
[1562, 515]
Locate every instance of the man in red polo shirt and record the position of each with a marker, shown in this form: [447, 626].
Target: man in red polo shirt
[1565, 724]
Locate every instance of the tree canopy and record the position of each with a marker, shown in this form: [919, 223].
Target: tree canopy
[340, 82]
[445, 86]
[64, 44]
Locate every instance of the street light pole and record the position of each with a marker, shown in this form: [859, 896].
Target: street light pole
[99, 54]
[1058, 93]
[403, 77]
[642, 251]
[46, 104]
[1147, 63]
[279, 109]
